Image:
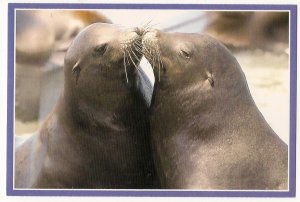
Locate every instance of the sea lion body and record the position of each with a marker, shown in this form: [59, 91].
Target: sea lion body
[96, 136]
[206, 130]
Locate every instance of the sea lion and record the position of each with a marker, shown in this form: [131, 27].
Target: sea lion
[39, 33]
[35, 37]
[42, 38]
[206, 131]
[97, 135]
[238, 30]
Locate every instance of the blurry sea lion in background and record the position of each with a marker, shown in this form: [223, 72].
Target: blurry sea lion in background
[39, 33]
[74, 21]
[264, 30]
[42, 38]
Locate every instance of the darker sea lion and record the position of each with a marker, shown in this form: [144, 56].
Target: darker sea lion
[206, 131]
[97, 135]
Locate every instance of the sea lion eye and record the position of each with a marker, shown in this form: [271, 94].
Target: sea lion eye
[185, 54]
[100, 50]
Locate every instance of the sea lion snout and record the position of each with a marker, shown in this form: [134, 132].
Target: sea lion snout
[150, 44]
[131, 42]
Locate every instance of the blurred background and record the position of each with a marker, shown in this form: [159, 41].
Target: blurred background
[259, 41]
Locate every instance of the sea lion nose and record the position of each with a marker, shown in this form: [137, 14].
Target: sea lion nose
[140, 31]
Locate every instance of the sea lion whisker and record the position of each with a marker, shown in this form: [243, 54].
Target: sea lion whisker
[131, 59]
[159, 66]
[125, 43]
[140, 53]
[126, 62]
[154, 59]
[147, 24]
[146, 50]
[139, 50]
[150, 26]
[125, 69]
[138, 46]
[151, 55]
[126, 57]
[136, 43]
[136, 58]
[153, 52]
[159, 72]
[134, 53]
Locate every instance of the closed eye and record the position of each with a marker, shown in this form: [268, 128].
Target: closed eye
[185, 54]
[100, 50]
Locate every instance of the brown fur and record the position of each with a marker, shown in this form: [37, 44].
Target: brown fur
[206, 131]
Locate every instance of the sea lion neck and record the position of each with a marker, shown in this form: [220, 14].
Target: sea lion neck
[91, 114]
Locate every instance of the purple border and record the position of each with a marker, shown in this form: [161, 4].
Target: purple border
[10, 103]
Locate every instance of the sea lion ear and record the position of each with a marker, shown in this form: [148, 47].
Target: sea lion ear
[76, 69]
[210, 79]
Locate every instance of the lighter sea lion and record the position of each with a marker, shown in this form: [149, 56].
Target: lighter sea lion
[206, 131]
[97, 135]
[40, 32]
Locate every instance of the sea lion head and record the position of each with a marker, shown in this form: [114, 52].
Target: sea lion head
[192, 66]
[100, 67]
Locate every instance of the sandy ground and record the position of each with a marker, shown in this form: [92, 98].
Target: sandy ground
[268, 79]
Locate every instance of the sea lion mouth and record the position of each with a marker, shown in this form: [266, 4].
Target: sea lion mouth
[132, 52]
